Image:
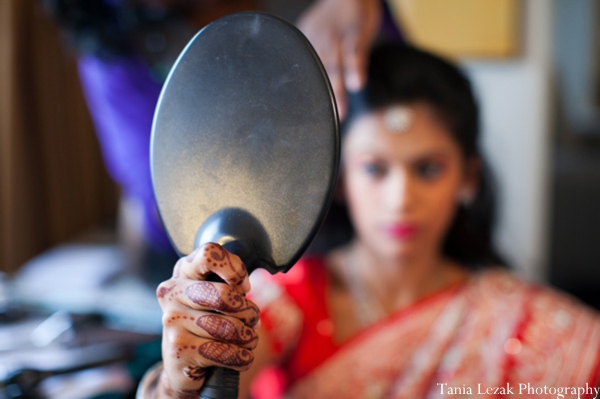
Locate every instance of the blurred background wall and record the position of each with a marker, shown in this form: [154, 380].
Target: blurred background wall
[516, 94]
[574, 253]
[52, 180]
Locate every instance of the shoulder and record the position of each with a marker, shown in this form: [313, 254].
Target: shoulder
[499, 290]
[546, 327]
[503, 289]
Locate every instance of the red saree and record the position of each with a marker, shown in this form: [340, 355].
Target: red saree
[492, 336]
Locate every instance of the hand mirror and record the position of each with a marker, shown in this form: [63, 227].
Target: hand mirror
[245, 144]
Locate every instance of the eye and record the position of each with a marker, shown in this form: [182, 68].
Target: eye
[374, 169]
[429, 170]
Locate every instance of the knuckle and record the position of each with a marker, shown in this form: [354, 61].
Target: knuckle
[164, 289]
[253, 305]
[207, 245]
[251, 319]
[254, 308]
[180, 261]
[169, 317]
[174, 338]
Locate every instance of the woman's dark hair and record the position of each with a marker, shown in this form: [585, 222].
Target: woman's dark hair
[399, 73]
[105, 28]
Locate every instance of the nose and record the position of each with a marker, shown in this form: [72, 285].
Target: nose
[399, 192]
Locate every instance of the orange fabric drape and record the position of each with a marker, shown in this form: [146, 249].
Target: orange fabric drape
[52, 181]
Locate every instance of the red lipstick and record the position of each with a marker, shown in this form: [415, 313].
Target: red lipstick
[401, 230]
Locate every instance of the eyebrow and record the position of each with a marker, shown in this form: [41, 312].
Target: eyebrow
[433, 153]
[427, 154]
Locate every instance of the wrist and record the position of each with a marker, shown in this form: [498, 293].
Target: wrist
[149, 384]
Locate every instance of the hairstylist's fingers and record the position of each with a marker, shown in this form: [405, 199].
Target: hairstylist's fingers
[221, 298]
[329, 51]
[321, 27]
[358, 35]
[355, 69]
[339, 91]
[355, 55]
[332, 61]
[213, 258]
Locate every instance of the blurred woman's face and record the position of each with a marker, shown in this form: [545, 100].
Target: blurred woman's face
[401, 186]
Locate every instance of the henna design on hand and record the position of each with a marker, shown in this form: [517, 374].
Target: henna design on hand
[163, 291]
[225, 354]
[224, 330]
[194, 373]
[205, 294]
[219, 257]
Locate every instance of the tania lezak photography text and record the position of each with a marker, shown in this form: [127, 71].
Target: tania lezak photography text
[526, 389]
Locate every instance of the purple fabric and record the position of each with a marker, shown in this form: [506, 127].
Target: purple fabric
[121, 95]
[389, 30]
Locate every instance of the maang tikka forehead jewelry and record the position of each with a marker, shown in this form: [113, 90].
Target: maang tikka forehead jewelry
[398, 118]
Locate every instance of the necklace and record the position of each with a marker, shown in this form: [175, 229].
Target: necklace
[367, 309]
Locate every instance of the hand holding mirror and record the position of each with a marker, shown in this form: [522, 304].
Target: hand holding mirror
[245, 146]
